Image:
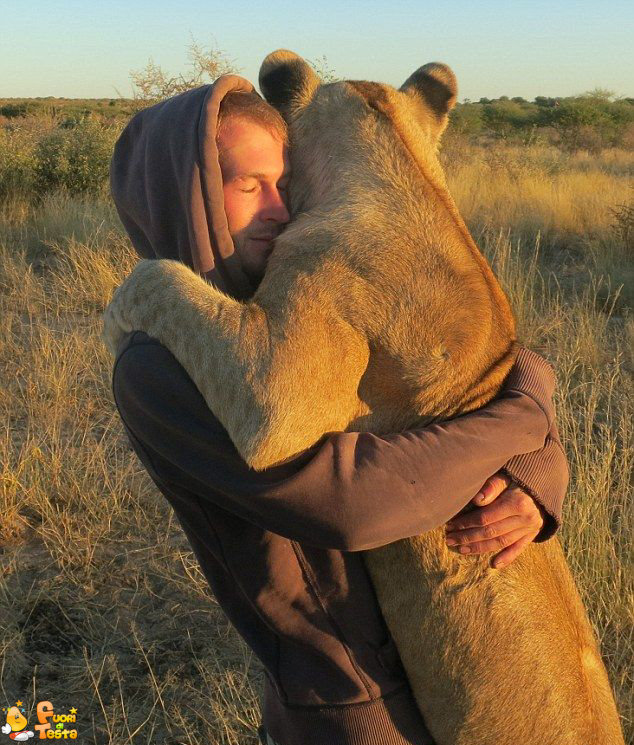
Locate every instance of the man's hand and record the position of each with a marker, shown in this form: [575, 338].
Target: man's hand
[507, 518]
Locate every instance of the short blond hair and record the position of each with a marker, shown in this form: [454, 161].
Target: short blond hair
[251, 106]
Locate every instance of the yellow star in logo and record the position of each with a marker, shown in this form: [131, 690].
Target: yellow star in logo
[18, 703]
[73, 710]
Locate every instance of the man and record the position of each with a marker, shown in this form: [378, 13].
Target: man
[255, 174]
[202, 177]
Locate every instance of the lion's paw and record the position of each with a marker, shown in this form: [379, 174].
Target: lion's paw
[114, 328]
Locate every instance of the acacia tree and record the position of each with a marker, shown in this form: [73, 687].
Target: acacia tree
[152, 84]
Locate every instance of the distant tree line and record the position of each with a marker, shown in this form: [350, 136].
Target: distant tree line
[591, 121]
[51, 143]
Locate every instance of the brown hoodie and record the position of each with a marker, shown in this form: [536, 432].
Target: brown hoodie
[167, 185]
[280, 548]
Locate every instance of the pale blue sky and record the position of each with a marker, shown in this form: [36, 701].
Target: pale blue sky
[78, 48]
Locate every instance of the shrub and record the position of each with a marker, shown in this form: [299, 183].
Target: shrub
[153, 84]
[13, 110]
[17, 162]
[76, 159]
[466, 119]
[588, 122]
[506, 117]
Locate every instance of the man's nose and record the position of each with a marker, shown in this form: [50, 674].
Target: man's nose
[275, 208]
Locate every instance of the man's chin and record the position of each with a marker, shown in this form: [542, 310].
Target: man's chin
[264, 245]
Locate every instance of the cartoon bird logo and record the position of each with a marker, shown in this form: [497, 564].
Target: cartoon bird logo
[16, 723]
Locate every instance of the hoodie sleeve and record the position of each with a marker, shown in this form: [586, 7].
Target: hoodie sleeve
[351, 491]
[544, 475]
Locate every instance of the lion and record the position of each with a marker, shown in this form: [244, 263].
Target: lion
[377, 312]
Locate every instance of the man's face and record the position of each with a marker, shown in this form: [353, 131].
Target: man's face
[255, 173]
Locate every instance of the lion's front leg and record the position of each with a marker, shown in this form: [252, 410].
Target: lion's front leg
[210, 334]
[277, 381]
[159, 297]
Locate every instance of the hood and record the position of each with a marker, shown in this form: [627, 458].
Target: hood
[166, 184]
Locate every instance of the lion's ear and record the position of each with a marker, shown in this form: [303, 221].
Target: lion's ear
[287, 81]
[437, 86]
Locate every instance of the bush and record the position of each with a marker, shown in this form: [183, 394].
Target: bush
[589, 122]
[17, 162]
[13, 110]
[466, 119]
[153, 84]
[76, 159]
[39, 155]
[506, 117]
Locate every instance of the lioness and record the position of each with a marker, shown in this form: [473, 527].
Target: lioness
[378, 312]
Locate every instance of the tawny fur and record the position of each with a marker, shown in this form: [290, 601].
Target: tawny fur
[377, 312]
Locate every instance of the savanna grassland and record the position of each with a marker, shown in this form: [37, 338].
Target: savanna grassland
[102, 604]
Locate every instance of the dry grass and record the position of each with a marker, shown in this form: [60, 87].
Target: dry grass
[103, 606]
[563, 196]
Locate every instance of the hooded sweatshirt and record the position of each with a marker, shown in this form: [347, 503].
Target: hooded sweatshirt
[281, 549]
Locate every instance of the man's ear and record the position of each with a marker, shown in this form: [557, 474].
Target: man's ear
[436, 84]
[287, 81]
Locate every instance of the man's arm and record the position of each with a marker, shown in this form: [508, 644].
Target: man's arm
[352, 491]
[545, 476]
